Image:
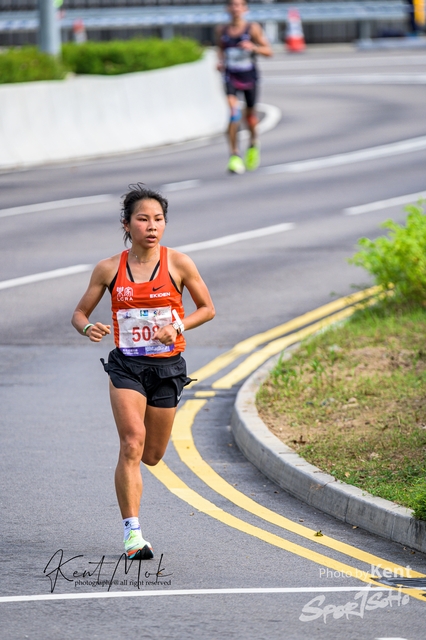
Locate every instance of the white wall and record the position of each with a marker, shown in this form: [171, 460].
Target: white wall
[86, 116]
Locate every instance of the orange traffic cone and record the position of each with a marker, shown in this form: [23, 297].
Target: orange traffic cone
[294, 38]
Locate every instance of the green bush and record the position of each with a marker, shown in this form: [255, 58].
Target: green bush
[116, 57]
[28, 64]
[400, 259]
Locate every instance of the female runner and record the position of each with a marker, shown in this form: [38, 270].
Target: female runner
[147, 372]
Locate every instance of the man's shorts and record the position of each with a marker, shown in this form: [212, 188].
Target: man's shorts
[245, 83]
[160, 380]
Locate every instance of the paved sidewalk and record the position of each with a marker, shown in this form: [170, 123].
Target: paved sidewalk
[311, 485]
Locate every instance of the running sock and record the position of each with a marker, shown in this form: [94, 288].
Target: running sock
[129, 524]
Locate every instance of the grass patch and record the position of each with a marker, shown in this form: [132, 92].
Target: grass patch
[352, 402]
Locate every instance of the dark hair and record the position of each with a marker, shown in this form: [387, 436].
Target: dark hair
[137, 193]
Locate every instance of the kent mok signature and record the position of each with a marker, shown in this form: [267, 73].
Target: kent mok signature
[103, 573]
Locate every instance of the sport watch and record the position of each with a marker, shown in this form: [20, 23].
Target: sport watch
[177, 325]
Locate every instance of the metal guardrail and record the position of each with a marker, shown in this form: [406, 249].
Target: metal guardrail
[32, 5]
[196, 15]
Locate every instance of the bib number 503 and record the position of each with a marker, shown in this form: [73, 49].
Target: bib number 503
[144, 333]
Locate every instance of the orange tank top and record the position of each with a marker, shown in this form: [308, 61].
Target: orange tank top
[139, 308]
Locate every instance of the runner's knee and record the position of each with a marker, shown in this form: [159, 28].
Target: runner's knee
[252, 119]
[131, 448]
[151, 458]
[235, 113]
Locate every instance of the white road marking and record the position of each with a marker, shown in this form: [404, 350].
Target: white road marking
[180, 186]
[196, 246]
[56, 204]
[395, 148]
[384, 204]
[183, 592]
[272, 117]
[371, 153]
[236, 237]
[359, 61]
[269, 121]
[45, 275]
[355, 78]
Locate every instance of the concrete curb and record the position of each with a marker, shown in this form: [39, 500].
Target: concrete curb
[308, 483]
[90, 116]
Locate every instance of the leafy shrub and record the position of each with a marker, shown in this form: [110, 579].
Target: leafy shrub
[28, 64]
[399, 259]
[116, 57]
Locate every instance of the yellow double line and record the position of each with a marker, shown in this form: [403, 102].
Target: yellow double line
[188, 453]
[278, 339]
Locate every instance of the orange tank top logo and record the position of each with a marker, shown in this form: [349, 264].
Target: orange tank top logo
[139, 309]
[124, 294]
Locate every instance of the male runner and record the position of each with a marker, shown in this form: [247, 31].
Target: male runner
[239, 43]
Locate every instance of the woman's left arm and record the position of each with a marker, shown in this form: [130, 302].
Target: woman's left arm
[185, 274]
[197, 288]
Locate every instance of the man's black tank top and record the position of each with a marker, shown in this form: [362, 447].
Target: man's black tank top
[238, 62]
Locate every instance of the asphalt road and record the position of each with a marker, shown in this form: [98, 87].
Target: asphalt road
[59, 444]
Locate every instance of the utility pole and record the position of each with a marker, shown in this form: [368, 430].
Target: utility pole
[49, 31]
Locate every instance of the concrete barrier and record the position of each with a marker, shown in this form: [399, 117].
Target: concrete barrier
[89, 116]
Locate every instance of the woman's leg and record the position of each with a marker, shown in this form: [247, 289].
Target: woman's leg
[158, 425]
[144, 433]
[129, 407]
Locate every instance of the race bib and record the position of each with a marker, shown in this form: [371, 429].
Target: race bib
[136, 329]
[238, 59]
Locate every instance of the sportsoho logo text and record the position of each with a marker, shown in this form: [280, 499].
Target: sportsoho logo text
[363, 602]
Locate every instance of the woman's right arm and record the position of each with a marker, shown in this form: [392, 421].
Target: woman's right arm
[102, 275]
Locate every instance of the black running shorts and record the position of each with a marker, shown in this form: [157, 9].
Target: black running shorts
[246, 83]
[160, 380]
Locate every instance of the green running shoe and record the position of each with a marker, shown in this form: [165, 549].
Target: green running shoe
[236, 165]
[252, 158]
[136, 547]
